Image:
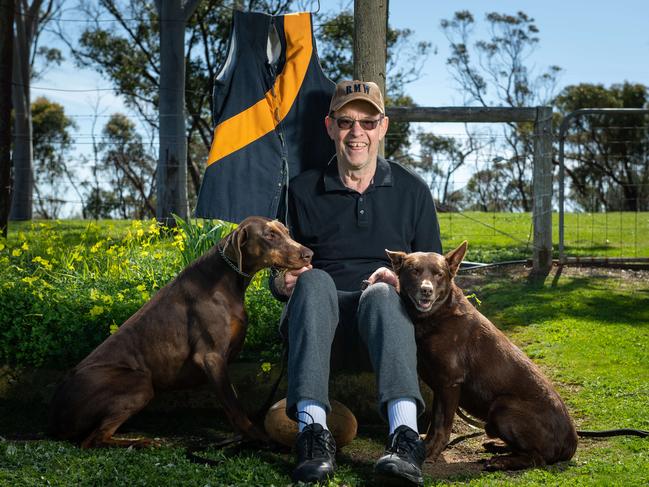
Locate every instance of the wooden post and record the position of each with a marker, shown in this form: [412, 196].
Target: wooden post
[172, 160]
[7, 9]
[542, 193]
[371, 43]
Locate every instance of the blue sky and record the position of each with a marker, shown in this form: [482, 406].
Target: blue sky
[595, 41]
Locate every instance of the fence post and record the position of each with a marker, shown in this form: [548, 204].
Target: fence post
[370, 44]
[542, 192]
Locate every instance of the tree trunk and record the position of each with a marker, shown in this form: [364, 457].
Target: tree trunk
[7, 8]
[172, 162]
[371, 44]
[23, 185]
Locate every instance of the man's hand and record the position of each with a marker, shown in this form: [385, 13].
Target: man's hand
[285, 281]
[383, 274]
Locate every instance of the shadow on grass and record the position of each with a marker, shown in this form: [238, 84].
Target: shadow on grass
[595, 299]
[199, 430]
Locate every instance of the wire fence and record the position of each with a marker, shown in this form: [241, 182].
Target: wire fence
[604, 174]
[479, 174]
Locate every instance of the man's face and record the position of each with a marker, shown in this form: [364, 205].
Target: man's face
[356, 147]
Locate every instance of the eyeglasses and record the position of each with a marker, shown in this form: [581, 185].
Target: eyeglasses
[346, 123]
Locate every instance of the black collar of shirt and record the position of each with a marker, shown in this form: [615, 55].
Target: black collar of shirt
[332, 182]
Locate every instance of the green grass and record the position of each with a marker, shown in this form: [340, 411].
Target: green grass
[495, 237]
[590, 334]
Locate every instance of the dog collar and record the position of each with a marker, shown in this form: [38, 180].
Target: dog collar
[231, 264]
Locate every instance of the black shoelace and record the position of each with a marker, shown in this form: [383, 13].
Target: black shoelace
[317, 445]
[405, 444]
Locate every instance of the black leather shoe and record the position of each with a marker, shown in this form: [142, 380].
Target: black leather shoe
[316, 454]
[404, 455]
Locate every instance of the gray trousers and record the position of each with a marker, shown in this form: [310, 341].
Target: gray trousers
[328, 327]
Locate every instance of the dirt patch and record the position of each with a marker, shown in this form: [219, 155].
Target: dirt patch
[465, 458]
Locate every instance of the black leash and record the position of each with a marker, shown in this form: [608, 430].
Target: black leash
[261, 414]
[616, 432]
[239, 440]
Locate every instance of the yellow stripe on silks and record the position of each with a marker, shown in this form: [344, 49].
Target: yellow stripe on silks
[255, 122]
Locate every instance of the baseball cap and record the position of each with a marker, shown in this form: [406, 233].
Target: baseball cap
[347, 91]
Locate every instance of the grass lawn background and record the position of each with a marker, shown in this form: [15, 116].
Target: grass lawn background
[588, 329]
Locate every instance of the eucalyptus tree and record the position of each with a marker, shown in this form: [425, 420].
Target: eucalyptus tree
[607, 156]
[52, 143]
[494, 71]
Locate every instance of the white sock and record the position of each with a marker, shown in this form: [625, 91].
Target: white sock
[310, 411]
[402, 411]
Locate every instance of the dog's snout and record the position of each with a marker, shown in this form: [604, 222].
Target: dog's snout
[426, 288]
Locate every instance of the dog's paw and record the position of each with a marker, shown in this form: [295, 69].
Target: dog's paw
[495, 463]
[496, 446]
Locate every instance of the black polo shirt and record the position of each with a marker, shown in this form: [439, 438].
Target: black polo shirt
[349, 232]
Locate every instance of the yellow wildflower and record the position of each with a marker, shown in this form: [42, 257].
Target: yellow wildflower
[24, 246]
[154, 228]
[95, 248]
[113, 328]
[107, 299]
[141, 287]
[16, 252]
[30, 279]
[96, 310]
[2, 246]
[265, 367]
[94, 294]
[44, 262]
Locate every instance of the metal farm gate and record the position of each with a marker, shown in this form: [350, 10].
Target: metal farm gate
[540, 233]
[605, 153]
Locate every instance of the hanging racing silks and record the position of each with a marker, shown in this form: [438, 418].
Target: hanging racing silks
[269, 104]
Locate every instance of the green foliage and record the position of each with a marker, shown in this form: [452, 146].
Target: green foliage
[606, 155]
[262, 339]
[63, 290]
[66, 286]
[52, 142]
[199, 236]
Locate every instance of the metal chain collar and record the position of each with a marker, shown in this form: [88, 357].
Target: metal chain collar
[232, 265]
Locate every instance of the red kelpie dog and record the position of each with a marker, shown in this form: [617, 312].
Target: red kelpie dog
[468, 362]
[185, 335]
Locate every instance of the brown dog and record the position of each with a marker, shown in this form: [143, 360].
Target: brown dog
[468, 362]
[185, 335]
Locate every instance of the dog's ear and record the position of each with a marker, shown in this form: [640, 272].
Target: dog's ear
[240, 239]
[454, 257]
[396, 258]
